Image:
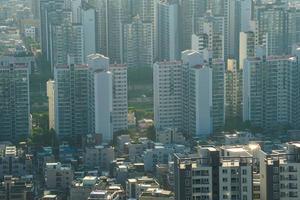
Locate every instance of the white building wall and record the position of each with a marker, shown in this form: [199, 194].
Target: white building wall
[167, 80]
[51, 106]
[89, 31]
[246, 15]
[120, 97]
[173, 32]
[103, 104]
[246, 91]
[203, 101]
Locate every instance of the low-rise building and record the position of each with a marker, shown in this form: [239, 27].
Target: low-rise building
[45, 155]
[93, 187]
[136, 186]
[121, 141]
[16, 189]
[82, 189]
[170, 136]
[240, 138]
[14, 162]
[66, 153]
[98, 157]
[50, 197]
[159, 154]
[157, 194]
[58, 176]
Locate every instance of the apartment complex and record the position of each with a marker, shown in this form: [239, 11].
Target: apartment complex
[189, 95]
[90, 98]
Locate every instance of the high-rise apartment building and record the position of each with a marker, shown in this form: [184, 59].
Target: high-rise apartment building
[101, 19]
[167, 35]
[232, 28]
[196, 94]
[88, 21]
[293, 27]
[200, 101]
[209, 37]
[14, 98]
[137, 44]
[67, 40]
[100, 96]
[118, 12]
[218, 94]
[272, 26]
[270, 86]
[189, 13]
[109, 19]
[279, 173]
[167, 85]
[246, 12]
[148, 10]
[248, 44]
[71, 99]
[51, 105]
[237, 18]
[119, 97]
[233, 89]
[50, 12]
[216, 7]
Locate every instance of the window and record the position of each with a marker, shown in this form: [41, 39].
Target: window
[187, 173]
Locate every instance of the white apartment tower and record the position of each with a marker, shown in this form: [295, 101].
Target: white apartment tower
[197, 94]
[103, 104]
[101, 91]
[167, 80]
[120, 97]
